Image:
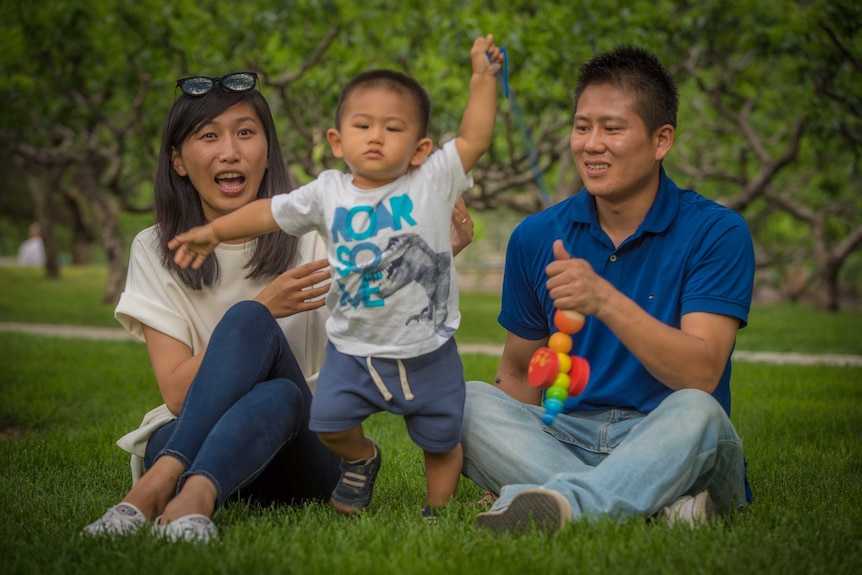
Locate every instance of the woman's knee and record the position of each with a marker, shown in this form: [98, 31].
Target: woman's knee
[274, 404]
[247, 312]
[286, 394]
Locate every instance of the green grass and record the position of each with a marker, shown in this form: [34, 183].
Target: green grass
[75, 298]
[479, 319]
[65, 402]
[59, 469]
[801, 328]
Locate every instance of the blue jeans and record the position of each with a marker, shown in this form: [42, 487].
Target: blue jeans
[612, 463]
[244, 421]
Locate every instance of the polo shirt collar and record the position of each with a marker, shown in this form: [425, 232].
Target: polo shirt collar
[665, 206]
[658, 218]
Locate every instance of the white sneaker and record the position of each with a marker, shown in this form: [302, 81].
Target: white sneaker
[121, 519]
[694, 511]
[193, 528]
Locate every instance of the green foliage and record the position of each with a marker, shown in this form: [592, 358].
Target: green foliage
[74, 71]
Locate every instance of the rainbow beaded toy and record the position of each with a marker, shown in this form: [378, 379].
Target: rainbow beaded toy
[552, 368]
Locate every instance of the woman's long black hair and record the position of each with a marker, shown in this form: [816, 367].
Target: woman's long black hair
[178, 205]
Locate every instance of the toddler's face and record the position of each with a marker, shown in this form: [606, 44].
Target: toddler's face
[379, 135]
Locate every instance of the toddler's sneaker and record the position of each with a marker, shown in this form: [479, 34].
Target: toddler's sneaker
[121, 519]
[356, 484]
[430, 514]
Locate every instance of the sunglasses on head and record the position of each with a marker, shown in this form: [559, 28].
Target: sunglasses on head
[200, 85]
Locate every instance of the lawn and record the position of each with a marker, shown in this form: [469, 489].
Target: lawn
[76, 298]
[64, 403]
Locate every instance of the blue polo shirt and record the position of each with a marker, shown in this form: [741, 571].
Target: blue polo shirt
[690, 254]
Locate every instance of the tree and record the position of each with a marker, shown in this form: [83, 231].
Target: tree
[74, 113]
[86, 85]
[832, 208]
[761, 134]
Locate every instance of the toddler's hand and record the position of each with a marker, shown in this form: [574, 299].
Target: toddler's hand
[193, 246]
[487, 58]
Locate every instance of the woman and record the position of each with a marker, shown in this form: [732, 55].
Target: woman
[234, 345]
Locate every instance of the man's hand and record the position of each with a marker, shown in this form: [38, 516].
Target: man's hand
[574, 285]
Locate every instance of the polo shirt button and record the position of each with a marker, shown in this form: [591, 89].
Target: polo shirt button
[613, 258]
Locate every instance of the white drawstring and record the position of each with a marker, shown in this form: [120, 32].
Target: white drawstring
[405, 387]
[402, 373]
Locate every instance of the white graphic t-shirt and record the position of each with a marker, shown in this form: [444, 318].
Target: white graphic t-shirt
[394, 289]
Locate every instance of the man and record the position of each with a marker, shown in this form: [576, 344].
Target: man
[665, 278]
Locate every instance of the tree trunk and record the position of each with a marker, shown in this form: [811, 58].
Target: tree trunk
[40, 191]
[826, 291]
[106, 213]
[83, 234]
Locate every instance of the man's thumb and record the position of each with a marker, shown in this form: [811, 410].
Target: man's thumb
[560, 252]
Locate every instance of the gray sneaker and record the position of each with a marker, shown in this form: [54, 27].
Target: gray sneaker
[691, 510]
[121, 519]
[532, 508]
[356, 484]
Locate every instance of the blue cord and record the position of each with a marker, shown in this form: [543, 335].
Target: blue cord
[524, 128]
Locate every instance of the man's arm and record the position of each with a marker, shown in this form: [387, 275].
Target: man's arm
[693, 356]
[477, 124]
[512, 371]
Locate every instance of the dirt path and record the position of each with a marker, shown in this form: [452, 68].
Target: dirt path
[111, 333]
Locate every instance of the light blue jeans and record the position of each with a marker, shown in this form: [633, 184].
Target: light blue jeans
[611, 463]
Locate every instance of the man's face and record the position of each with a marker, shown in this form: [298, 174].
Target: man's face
[616, 157]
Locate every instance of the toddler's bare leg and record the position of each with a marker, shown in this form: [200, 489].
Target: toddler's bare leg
[442, 471]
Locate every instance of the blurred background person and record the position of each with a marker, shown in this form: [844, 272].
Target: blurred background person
[32, 250]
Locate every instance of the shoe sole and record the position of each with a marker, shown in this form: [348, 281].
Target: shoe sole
[345, 509]
[540, 509]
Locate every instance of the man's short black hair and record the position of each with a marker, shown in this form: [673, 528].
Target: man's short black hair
[640, 72]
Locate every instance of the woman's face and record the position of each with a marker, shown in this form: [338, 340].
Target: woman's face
[225, 160]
